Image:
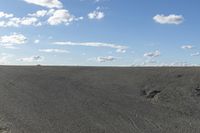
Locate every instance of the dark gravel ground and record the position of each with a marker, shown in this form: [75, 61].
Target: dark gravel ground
[41, 99]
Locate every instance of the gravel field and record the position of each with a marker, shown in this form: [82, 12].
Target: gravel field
[41, 99]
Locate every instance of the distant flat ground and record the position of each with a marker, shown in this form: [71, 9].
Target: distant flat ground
[41, 99]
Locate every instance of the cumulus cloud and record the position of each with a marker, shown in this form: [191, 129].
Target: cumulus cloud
[60, 16]
[46, 3]
[9, 41]
[170, 19]
[5, 15]
[16, 22]
[119, 48]
[105, 59]
[40, 13]
[187, 47]
[28, 21]
[39, 18]
[152, 54]
[13, 39]
[54, 51]
[31, 59]
[96, 15]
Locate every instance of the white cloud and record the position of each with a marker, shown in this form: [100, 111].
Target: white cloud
[28, 21]
[37, 41]
[31, 59]
[61, 16]
[16, 22]
[152, 54]
[96, 15]
[187, 47]
[13, 22]
[39, 18]
[40, 13]
[195, 54]
[5, 15]
[4, 58]
[46, 3]
[9, 41]
[119, 48]
[54, 50]
[170, 19]
[105, 59]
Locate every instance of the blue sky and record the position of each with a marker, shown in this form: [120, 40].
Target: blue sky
[99, 32]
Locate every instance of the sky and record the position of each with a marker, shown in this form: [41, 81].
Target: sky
[100, 32]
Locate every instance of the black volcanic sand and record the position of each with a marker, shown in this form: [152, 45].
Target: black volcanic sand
[42, 99]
